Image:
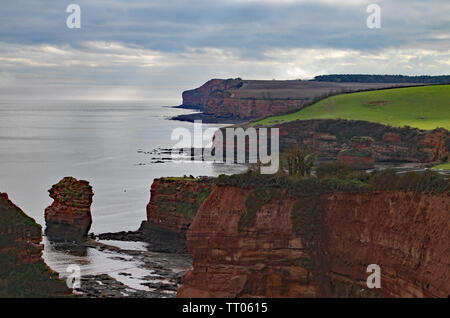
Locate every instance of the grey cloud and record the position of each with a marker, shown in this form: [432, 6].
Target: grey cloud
[191, 41]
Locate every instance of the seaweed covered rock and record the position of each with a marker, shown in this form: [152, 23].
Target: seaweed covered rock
[69, 217]
[23, 272]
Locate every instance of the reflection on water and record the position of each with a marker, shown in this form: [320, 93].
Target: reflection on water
[130, 263]
[94, 262]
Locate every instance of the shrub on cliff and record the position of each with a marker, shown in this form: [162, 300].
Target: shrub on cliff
[428, 181]
[333, 169]
[297, 161]
[338, 180]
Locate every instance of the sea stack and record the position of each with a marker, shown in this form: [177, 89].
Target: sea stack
[360, 156]
[69, 217]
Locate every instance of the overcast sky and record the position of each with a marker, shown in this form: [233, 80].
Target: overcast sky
[136, 49]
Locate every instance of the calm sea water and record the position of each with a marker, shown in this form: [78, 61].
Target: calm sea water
[106, 143]
[103, 142]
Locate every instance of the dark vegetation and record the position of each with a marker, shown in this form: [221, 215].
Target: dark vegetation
[254, 202]
[344, 130]
[330, 177]
[368, 78]
[17, 277]
[337, 177]
[297, 161]
[20, 280]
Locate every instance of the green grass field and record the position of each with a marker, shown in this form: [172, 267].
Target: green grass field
[425, 107]
[445, 166]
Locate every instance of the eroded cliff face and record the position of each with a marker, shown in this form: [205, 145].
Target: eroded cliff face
[23, 272]
[327, 137]
[360, 155]
[218, 97]
[318, 246]
[406, 234]
[174, 202]
[69, 217]
[198, 97]
[257, 261]
[239, 99]
[173, 205]
[250, 108]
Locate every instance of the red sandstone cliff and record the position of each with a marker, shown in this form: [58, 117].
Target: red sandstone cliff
[23, 272]
[199, 96]
[173, 205]
[360, 156]
[174, 202]
[224, 98]
[320, 246]
[21, 230]
[249, 108]
[69, 218]
[249, 99]
[257, 262]
[327, 137]
[407, 234]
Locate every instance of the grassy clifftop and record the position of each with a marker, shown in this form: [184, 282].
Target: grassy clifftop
[425, 107]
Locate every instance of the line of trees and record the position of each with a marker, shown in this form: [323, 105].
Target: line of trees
[371, 78]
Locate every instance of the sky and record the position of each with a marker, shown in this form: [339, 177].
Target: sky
[136, 49]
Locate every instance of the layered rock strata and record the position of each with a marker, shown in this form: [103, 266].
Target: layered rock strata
[173, 205]
[327, 137]
[360, 156]
[236, 100]
[69, 217]
[319, 246]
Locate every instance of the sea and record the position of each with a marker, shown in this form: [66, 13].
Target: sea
[120, 147]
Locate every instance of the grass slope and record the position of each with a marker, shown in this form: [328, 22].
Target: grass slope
[445, 166]
[425, 107]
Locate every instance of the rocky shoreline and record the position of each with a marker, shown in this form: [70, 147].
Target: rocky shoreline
[160, 239]
[162, 282]
[208, 118]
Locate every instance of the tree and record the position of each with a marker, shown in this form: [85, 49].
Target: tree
[298, 161]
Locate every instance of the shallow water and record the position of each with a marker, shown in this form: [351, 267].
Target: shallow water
[129, 263]
[94, 262]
